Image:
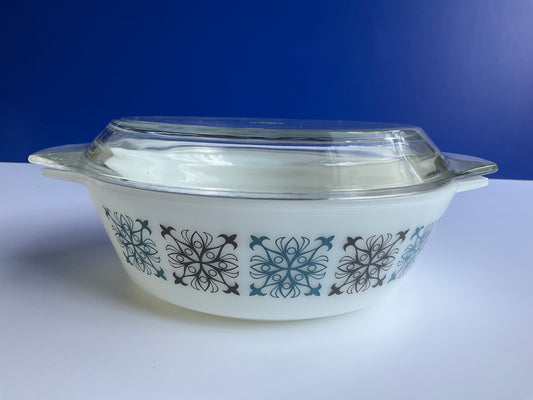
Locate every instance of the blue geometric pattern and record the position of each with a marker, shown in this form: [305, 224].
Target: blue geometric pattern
[288, 266]
[407, 259]
[138, 250]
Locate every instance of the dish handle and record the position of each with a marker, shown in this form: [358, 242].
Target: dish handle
[62, 162]
[468, 170]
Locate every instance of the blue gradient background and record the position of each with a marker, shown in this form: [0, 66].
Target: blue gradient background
[463, 70]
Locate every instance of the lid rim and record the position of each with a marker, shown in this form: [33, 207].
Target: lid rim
[362, 194]
[385, 160]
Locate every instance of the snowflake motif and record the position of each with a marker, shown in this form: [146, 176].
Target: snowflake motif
[370, 259]
[138, 250]
[200, 263]
[289, 267]
[412, 251]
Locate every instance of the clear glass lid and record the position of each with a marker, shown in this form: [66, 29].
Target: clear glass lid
[265, 158]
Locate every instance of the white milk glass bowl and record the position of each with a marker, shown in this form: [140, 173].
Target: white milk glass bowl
[266, 219]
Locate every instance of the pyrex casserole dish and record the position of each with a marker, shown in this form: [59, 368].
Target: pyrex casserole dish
[266, 219]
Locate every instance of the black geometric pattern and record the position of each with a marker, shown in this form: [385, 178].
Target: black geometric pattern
[367, 262]
[201, 262]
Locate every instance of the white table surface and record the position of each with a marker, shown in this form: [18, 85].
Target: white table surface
[73, 326]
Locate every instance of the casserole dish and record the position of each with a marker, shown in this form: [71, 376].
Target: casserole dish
[266, 219]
